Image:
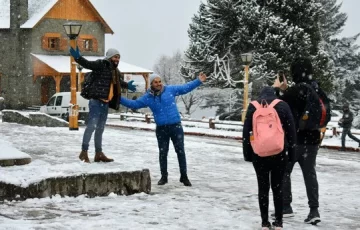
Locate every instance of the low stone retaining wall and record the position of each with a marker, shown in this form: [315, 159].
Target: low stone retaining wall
[33, 119]
[101, 184]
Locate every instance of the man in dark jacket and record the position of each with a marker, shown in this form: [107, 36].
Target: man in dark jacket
[346, 123]
[272, 165]
[307, 140]
[105, 92]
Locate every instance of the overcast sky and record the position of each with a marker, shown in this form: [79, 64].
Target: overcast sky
[144, 30]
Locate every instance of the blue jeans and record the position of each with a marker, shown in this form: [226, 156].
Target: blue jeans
[174, 132]
[98, 111]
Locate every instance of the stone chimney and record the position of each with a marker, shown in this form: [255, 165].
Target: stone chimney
[18, 13]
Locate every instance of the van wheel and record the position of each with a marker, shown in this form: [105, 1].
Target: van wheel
[65, 117]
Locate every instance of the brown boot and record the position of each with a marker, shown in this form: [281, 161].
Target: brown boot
[84, 156]
[100, 157]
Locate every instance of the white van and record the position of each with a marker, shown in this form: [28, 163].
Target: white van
[59, 105]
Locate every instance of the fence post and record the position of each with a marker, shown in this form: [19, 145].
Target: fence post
[147, 118]
[211, 123]
[334, 131]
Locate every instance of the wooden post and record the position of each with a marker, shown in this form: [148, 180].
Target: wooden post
[74, 110]
[147, 118]
[146, 78]
[246, 93]
[57, 83]
[211, 123]
[334, 131]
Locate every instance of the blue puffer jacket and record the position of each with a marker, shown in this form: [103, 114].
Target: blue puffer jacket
[163, 106]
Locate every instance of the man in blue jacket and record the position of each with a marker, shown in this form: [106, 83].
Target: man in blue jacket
[161, 100]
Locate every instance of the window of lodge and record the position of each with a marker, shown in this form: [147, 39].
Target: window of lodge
[54, 43]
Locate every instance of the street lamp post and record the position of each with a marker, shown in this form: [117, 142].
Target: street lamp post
[246, 59]
[72, 30]
[79, 67]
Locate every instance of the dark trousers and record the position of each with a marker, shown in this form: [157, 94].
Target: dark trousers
[270, 170]
[174, 132]
[306, 156]
[347, 131]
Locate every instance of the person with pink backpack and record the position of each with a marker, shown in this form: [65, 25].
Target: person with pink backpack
[268, 133]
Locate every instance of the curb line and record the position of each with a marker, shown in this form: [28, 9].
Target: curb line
[224, 137]
[186, 133]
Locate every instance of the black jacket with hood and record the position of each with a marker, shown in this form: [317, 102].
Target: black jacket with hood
[287, 121]
[301, 71]
[103, 73]
[347, 119]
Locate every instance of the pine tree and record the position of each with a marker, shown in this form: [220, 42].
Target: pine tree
[223, 30]
[343, 52]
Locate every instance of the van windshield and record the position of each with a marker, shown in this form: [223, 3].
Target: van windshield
[51, 101]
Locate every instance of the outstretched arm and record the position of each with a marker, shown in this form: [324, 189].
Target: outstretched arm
[93, 65]
[134, 104]
[188, 87]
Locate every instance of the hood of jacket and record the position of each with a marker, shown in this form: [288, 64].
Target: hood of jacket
[267, 93]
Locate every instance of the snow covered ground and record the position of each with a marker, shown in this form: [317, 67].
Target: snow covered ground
[223, 196]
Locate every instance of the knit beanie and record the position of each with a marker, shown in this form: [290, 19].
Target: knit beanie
[153, 76]
[111, 53]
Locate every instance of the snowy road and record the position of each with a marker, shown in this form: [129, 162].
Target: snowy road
[223, 196]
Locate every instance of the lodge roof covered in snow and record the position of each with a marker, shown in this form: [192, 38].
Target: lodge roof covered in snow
[60, 64]
[37, 10]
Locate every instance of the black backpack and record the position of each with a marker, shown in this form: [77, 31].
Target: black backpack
[87, 86]
[317, 112]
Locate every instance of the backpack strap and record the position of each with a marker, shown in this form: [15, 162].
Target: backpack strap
[274, 102]
[256, 104]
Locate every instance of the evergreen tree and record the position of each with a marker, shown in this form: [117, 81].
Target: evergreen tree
[276, 32]
[223, 30]
[343, 52]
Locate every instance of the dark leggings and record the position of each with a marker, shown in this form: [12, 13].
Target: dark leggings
[270, 170]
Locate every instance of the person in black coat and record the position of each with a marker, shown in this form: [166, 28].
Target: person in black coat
[272, 165]
[105, 93]
[346, 122]
[308, 141]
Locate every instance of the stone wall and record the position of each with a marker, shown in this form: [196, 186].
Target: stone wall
[33, 119]
[101, 184]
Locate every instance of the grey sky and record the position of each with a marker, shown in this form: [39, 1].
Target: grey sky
[145, 29]
[351, 7]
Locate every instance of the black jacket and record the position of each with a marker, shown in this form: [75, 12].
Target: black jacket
[347, 119]
[103, 73]
[287, 121]
[295, 96]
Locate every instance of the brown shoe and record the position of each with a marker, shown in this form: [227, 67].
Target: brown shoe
[100, 157]
[84, 156]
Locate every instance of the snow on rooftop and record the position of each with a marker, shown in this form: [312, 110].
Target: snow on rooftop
[36, 10]
[62, 64]
[4, 14]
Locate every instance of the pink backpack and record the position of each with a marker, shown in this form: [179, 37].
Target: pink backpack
[268, 134]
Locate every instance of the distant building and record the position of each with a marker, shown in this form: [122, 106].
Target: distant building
[34, 56]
